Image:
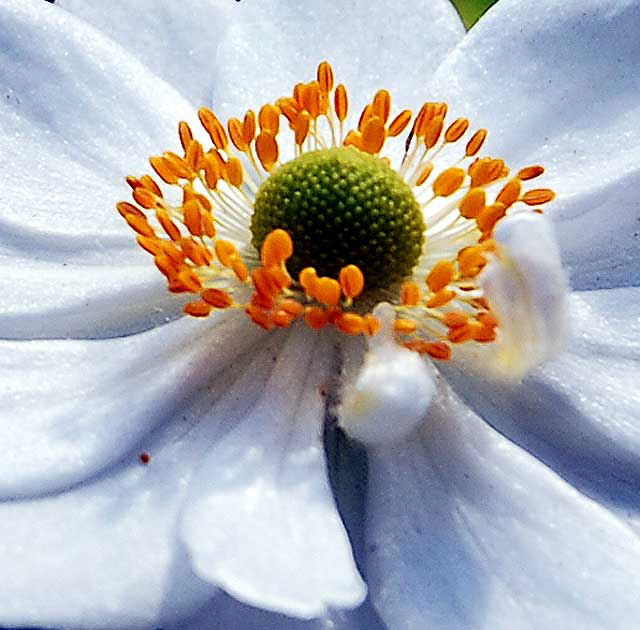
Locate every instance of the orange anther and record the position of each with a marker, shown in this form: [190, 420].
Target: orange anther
[341, 102]
[212, 170]
[460, 334]
[473, 203]
[475, 143]
[442, 297]
[208, 227]
[405, 326]
[351, 324]
[240, 269]
[399, 123]
[373, 135]
[455, 319]
[149, 244]
[217, 298]
[194, 156]
[249, 127]
[327, 291]
[301, 128]
[538, 196]
[289, 109]
[433, 131]
[195, 252]
[145, 197]
[139, 224]
[168, 225]
[471, 260]
[424, 175]
[178, 165]
[235, 128]
[316, 317]
[213, 127]
[311, 98]
[198, 309]
[173, 251]
[382, 105]
[276, 248]
[372, 324]
[409, 294]
[166, 266]
[441, 275]
[438, 350]
[308, 279]
[510, 193]
[490, 216]
[291, 306]
[148, 182]
[486, 170]
[267, 150]
[351, 281]
[530, 172]
[193, 217]
[269, 119]
[353, 139]
[265, 283]
[190, 279]
[226, 252]
[185, 133]
[325, 77]
[365, 115]
[456, 130]
[281, 318]
[424, 117]
[127, 209]
[448, 182]
[258, 316]
[235, 173]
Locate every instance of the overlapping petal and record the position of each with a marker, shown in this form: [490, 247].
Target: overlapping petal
[79, 114]
[369, 42]
[260, 520]
[579, 413]
[467, 531]
[177, 41]
[554, 83]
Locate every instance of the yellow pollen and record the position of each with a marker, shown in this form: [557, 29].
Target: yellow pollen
[201, 243]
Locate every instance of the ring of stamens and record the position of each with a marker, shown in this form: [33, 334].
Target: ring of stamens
[200, 243]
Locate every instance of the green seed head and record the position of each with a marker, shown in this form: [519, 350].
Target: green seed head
[342, 206]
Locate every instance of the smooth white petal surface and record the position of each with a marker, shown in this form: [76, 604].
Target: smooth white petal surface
[273, 44]
[579, 413]
[70, 409]
[261, 521]
[106, 553]
[177, 41]
[469, 532]
[79, 114]
[555, 82]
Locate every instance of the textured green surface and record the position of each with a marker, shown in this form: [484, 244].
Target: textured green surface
[342, 206]
[471, 10]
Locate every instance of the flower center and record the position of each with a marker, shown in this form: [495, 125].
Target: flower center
[342, 206]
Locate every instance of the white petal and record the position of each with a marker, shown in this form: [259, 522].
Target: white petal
[78, 117]
[526, 288]
[561, 91]
[105, 553]
[177, 41]
[273, 44]
[261, 521]
[600, 234]
[392, 391]
[71, 409]
[578, 414]
[466, 530]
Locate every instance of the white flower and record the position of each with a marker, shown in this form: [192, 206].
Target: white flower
[465, 528]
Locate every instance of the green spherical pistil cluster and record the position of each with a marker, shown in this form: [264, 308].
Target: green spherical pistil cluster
[342, 206]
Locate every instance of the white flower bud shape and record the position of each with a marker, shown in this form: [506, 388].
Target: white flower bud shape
[391, 393]
[527, 290]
